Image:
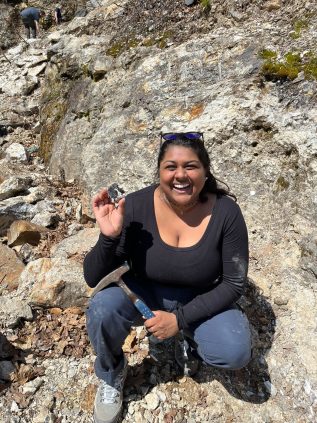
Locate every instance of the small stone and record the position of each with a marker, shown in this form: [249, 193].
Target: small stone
[14, 407]
[161, 395]
[270, 388]
[152, 401]
[32, 386]
[272, 5]
[280, 301]
[131, 408]
[307, 387]
[138, 418]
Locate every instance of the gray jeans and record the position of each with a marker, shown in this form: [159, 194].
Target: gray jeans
[222, 341]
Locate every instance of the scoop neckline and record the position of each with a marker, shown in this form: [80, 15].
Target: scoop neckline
[191, 247]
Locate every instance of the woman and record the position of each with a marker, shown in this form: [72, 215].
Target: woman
[186, 242]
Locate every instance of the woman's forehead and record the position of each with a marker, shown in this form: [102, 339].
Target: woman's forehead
[177, 152]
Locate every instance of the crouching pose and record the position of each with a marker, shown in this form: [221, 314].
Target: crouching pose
[31, 18]
[186, 242]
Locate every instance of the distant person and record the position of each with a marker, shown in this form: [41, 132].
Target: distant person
[31, 20]
[58, 14]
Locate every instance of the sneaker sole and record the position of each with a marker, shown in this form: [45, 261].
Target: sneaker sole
[114, 420]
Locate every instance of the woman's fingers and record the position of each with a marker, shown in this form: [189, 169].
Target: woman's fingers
[101, 198]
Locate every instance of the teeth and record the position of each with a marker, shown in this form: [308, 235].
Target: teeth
[179, 186]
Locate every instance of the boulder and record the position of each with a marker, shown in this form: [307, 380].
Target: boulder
[17, 152]
[24, 232]
[10, 268]
[76, 245]
[13, 310]
[12, 209]
[14, 185]
[56, 282]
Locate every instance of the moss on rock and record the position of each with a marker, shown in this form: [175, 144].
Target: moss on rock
[289, 66]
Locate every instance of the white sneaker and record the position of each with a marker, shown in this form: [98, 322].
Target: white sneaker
[108, 401]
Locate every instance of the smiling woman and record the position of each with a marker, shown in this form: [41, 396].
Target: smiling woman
[187, 245]
[182, 177]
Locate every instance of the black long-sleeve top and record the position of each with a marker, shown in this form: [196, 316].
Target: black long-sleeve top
[216, 265]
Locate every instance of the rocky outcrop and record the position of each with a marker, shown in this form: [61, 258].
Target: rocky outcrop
[259, 129]
[91, 99]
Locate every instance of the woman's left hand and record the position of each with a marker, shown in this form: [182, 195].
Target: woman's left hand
[163, 325]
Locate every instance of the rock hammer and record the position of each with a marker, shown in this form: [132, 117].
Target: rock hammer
[116, 277]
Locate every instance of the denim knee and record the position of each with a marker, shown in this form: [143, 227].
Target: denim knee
[231, 357]
[110, 309]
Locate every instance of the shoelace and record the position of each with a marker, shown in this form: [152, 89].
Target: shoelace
[110, 394]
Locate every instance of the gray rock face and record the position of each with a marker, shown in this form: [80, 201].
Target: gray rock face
[261, 135]
[9, 18]
[107, 84]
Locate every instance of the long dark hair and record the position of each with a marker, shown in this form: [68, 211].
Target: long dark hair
[197, 145]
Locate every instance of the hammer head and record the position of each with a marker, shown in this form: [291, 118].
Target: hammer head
[112, 277]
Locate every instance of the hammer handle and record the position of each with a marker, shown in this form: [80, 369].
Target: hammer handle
[143, 309]
[139, 304]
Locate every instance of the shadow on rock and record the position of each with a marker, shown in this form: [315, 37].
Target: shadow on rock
[8, 355]
[252, 383]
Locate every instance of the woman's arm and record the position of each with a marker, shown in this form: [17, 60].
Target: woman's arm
[235, 258]
[110, 250]
[102, 259]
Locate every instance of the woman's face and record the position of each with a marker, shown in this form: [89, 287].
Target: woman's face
[182, 175]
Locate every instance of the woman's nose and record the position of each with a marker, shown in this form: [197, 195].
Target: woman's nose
[180, 173]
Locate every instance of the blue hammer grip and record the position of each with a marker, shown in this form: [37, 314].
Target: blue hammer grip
[143, 309]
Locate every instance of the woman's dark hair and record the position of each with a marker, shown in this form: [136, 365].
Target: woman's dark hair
[197, 145]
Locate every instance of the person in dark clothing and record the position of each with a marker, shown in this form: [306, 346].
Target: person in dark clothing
[187, 246]
[58, 14]
[31, 18]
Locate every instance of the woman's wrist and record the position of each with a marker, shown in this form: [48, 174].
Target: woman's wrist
[110, 237]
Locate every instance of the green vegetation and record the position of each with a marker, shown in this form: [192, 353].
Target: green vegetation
[289, 66]
[205, 4]
[282, 183]
[119, 47]
[85, 70]
[116, 49]
[162, 40]
[299, 25]
[268, 54]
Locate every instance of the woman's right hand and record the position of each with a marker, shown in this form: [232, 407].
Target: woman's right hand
[109, 217]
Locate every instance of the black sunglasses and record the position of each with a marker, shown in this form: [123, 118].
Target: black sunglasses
[171, 136]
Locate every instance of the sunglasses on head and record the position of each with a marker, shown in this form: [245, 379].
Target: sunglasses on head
[171, 136]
